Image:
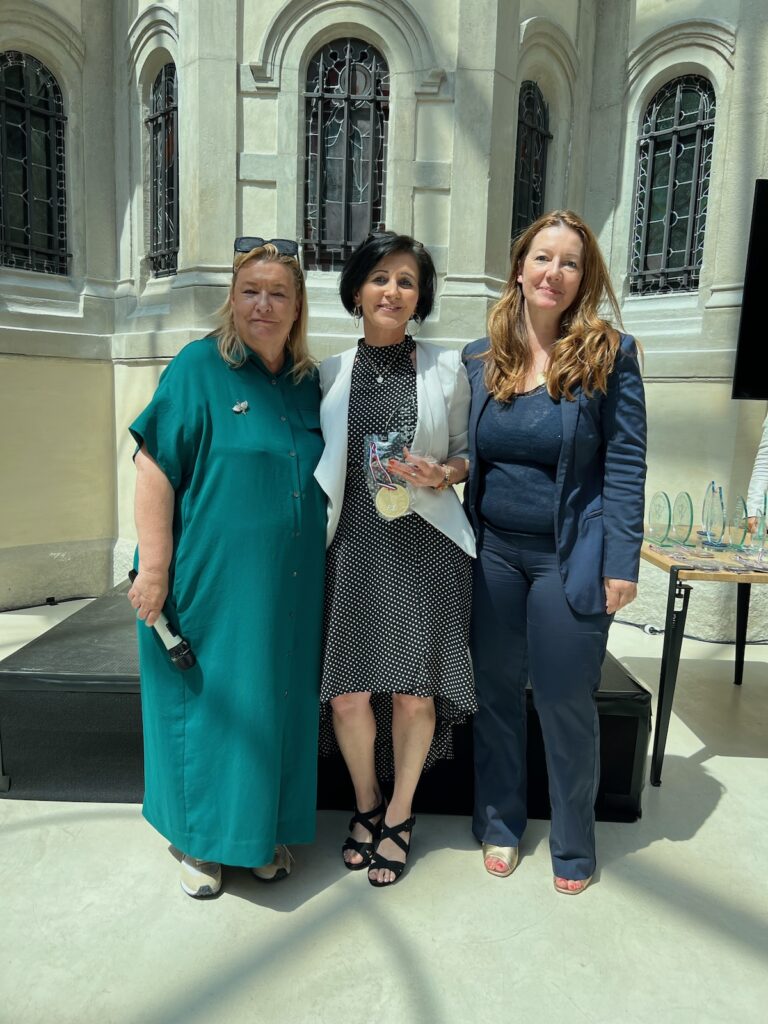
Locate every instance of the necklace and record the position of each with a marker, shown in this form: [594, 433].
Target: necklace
[380, 373]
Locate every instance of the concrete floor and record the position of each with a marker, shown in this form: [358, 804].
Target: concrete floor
[94, 928]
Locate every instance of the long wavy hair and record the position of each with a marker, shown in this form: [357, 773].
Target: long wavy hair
[584, 354]
[232, 349]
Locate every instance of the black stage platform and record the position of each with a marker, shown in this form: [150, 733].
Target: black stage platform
[70, 727]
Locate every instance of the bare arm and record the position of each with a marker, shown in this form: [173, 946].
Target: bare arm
[154, 526]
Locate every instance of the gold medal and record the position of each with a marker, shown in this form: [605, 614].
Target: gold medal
[391, 504]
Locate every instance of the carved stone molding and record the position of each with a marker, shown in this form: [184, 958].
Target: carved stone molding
[675, 39]
[403, 23]
[155, 26]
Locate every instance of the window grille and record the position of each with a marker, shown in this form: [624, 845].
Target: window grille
[33, 195]
[162, 125]
[346, 119]
[533, 138]
[674, 159]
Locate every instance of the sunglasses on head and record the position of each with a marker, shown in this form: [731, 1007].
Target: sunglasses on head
[285, 246]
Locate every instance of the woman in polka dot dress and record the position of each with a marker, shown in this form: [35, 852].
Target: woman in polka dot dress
[396, 668]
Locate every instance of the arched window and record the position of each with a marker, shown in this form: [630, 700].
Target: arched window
[531, 158]
[674, 157]
[33, 200]
[347, 112]
[164, 165]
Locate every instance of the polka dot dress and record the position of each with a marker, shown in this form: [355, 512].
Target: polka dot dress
[397, 593]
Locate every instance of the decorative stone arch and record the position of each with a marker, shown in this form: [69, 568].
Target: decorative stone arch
[549, 58]
[713, 43]
[696, 47]
[391, 24]
[55, 43]
[151, 42]
[47, 36]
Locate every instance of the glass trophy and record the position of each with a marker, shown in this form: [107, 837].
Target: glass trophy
[758, 545]
[659, 518]
[713, 516]
[390, 491]
[738, 526]
[682, 518]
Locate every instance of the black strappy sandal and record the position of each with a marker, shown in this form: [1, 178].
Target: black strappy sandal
[395, 866]
[355, 845]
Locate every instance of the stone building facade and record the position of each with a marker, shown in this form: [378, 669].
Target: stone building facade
[81, 350]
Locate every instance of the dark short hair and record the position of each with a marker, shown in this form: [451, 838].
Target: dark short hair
[358, 266]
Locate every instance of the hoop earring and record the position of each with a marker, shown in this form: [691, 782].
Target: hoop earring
[416, 321]
[356, 316]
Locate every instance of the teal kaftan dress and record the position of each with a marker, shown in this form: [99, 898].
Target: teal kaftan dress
[230, 746]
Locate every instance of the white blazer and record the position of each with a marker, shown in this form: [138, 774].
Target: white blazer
[442, 393]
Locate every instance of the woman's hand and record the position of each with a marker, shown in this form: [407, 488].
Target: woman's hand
[148, 594]
[752, 524]
[418, 471]
[618, 593]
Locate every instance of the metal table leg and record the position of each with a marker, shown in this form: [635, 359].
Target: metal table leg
[674, 627]
[743, 591]
[5, 780]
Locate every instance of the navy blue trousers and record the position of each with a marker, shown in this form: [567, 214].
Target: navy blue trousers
[523, 627]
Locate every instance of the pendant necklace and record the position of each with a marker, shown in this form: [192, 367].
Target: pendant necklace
[380, 374]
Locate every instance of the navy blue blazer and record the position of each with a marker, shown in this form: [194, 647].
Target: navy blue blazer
[600, 479]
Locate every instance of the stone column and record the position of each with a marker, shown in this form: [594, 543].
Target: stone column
[208, 73]
[598, 154]
[483, 164]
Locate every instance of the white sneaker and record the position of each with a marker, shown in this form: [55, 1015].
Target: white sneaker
[280, 867]
[200, 877]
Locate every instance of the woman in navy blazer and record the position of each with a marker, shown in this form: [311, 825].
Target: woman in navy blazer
[555, 494]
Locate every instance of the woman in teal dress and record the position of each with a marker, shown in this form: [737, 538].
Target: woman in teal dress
[231, 544]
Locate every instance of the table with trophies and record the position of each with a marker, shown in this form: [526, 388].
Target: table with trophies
[720, 550]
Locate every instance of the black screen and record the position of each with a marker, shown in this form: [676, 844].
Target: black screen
[750, 375]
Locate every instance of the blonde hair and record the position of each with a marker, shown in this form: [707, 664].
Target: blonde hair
[584, 354]
[232, 349]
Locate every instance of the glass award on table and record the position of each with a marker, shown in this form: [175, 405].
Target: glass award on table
[759, 542]
[712, 516]
[738, 524]
[659, 518]
[682, 519]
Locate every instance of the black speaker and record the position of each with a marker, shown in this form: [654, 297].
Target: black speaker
[750, 375]
[624, 713]
[70, 727]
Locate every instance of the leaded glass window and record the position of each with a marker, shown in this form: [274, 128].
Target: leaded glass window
[347, 113]
[33, 199]
[674, 159]
[531, 159]
[162, 124]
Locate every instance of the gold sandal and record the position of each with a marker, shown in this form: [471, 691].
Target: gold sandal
[506, 854]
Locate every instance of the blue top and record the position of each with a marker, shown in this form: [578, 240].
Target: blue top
[518, 447]
[599, 479]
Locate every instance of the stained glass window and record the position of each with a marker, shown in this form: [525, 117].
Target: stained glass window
[531, 160]
[162, 124]
[674, 159]
[33, 199]
[347, 113]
